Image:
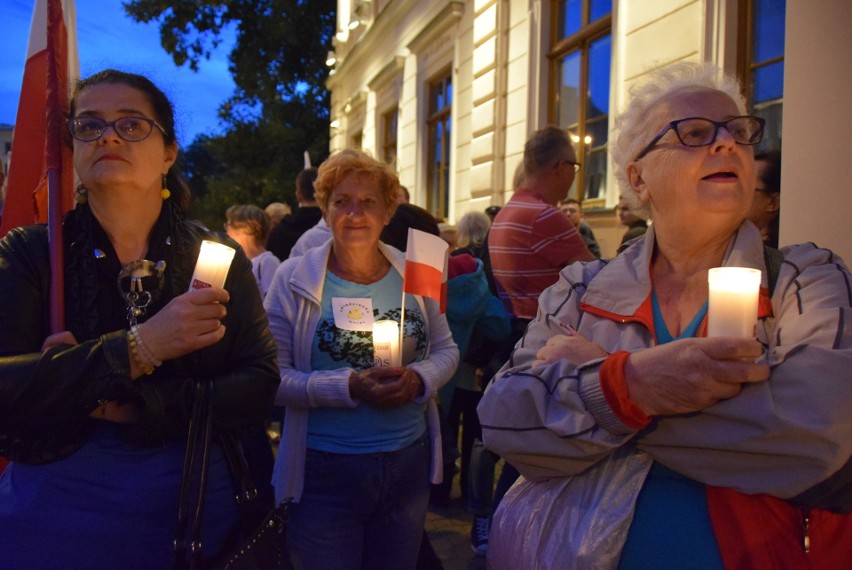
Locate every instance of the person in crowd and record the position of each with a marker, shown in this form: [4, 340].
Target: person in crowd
[449, 234]
[530, 241]
[276, 212]
[574, 210]
[461, 414]
[472, 230]
[492, 211]
[727, 452]
[405, 217]
[636, 222]
[355, 447]
[283, 236]
[466, 309]
[94, 418]
[766, 208]
[316, 236]
[248, 225]
[403, 196]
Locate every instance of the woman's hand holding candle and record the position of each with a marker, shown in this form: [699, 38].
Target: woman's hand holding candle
[386, 387]
[189, 322]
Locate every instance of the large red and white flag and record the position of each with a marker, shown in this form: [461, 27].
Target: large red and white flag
[426, 258]
[52, 65]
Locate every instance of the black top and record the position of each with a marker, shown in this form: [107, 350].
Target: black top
[283, 237]
[45, 397]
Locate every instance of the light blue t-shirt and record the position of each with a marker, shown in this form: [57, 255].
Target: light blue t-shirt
[671, 525]
[365, 429]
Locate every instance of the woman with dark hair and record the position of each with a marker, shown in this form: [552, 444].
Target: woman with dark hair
[766, 208]
[95, 418]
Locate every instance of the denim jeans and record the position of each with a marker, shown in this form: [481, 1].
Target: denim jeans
[361, 510]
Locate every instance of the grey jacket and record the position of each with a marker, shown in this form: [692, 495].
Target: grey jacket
[789, 437]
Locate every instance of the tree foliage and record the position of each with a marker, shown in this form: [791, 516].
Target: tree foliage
[280, 106]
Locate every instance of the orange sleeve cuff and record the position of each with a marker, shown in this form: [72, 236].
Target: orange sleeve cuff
[615, 390]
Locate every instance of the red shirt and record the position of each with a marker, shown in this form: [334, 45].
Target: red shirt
[529, 243]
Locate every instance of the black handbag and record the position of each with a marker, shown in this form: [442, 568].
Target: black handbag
[266, 548]
[187, 543]
[262, 547]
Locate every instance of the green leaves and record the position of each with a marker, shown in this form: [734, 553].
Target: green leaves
[280, 106]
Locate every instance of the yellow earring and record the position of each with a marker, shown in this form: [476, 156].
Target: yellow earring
[165, 193]
[81, 195]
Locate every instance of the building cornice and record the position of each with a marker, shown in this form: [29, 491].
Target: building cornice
[387, 73]
[448, 16]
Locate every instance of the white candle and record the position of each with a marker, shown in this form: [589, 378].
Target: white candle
[386, 343]
[732, 310]
[212, 266]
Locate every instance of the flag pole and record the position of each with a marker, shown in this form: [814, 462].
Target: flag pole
[402, 325]
[57, 263]
[57, 98]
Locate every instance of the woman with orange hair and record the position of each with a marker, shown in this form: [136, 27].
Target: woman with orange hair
[355, 446]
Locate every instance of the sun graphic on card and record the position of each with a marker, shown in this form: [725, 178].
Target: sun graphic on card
[355, 313]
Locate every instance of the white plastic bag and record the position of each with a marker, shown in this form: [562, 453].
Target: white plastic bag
[569, 522]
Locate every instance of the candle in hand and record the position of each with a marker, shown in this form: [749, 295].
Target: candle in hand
[732, 309]
[386, 343]
[212, 266]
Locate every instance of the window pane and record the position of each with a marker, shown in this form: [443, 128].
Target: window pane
[597, 133]
[773, 113]
[445, 172]
[436, 101]
[596, 174]
[449, 92]
[768, 82]
[594, 168]
[599, 8]
[570, 14]
[569, 89]
[439, 139]
[769, 29]
[600, 56]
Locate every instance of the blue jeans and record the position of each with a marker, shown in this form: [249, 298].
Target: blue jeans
[361, 510]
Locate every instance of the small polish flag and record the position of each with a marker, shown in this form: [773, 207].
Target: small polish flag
[426, 266]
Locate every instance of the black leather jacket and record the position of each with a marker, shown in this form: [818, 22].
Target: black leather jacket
[46, 398]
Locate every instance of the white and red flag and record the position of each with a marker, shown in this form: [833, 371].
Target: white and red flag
[38, 144]
[426, 259]
[41, 170]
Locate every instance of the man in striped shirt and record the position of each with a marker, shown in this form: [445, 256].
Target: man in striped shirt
[531, 240]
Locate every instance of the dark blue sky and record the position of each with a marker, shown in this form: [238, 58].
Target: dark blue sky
[109, 38]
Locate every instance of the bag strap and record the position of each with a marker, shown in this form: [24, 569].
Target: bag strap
[773, 258]
[196, 458]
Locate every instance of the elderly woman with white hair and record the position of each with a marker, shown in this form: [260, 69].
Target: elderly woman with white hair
[642, 442]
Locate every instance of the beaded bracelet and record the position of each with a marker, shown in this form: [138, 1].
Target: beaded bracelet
[143, 348]
[139, 358]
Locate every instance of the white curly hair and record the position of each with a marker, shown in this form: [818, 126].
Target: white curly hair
[472, 229]
[633, 126]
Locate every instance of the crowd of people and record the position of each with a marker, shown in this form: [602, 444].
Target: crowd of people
[628, 438]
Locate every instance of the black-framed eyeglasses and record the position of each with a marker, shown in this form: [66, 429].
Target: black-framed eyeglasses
[576, 165]
[699, 131]
[131, 129]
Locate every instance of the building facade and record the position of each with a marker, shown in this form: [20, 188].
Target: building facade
[449, 91]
